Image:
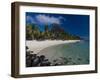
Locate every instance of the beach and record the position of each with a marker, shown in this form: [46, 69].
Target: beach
[57, 52]
[37, 46]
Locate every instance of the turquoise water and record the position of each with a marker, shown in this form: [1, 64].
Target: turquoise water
[69, 54]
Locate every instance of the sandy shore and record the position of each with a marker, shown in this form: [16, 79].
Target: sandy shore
[37, 46]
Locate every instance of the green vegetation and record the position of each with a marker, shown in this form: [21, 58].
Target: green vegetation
[54, 32]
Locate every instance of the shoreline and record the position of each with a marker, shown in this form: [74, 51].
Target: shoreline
[37, 46]
[56, 55]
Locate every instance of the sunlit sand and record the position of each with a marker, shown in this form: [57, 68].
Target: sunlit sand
[37, 46]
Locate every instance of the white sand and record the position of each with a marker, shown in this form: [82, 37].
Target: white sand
[37, 46]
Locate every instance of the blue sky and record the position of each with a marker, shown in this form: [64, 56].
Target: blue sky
[74, 24]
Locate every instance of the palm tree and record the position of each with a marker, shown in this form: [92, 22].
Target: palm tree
[47, 33]
[36, 32]
[29, 32]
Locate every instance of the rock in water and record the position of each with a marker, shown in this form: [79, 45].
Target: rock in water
[36, 61]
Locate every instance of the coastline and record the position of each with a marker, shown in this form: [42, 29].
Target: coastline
[37, 46]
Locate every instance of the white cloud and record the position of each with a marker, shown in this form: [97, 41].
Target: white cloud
[44, 19]
[62, 18]
[48, 19]
[30, 19]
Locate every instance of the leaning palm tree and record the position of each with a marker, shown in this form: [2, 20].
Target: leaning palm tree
[29, 32]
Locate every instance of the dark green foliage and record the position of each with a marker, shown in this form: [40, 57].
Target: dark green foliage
[55, 32]
[29, 32]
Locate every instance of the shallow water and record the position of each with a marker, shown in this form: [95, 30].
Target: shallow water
[74, 53]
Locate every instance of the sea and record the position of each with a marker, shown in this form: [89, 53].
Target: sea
[69, 54]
